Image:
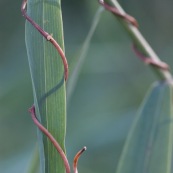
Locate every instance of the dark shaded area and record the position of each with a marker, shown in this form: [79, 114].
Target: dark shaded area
[110, 89]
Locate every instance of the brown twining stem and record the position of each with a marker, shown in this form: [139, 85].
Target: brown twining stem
[132, 20]
[47, 36]
[116, 12]
[76, 158]
[56, 144]
[147, 60]
[52, 139]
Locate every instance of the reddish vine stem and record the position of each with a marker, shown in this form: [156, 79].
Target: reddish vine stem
[52, 139]
[76, 158]
[148, 60]
[47, 36]
[116, 12]
[132, 20]
[56, 144]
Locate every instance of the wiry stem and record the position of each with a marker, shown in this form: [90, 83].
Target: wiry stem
[56, 144]
[139, 41]
[161, 65]
[76, 158]
[116, 12]
[47, 36]
[52, 139]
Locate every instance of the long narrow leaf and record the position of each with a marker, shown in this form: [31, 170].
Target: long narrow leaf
[79, 60]
[75, 68]
[47, 75]
[148, 148]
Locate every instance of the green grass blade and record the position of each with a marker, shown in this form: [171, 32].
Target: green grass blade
[75, 68]
[148, 148]
[80, 58]
[47, 75]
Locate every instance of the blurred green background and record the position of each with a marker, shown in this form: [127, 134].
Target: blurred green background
[110, 89]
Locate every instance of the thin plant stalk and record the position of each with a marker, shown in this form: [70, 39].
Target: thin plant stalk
[141, 43]
[76, 158]
[80, 58]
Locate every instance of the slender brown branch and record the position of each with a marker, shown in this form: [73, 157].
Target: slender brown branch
[76, 158]
[146, 52]
[147, 60]
[133, 21]
[116, 12]
[52, 139]
[47, 36]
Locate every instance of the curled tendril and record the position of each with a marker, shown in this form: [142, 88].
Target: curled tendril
[132, 20]
[116, 12]
[51, 138]
[56, 144]
[160, 64]
[76, 158]
[47, 36]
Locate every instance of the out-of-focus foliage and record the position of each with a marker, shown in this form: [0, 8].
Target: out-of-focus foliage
[149, 143]
[111, 86]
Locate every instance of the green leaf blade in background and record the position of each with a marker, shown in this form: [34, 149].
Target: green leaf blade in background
[47, 73]
[148, 148]
[77, 64]
[75, 69]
